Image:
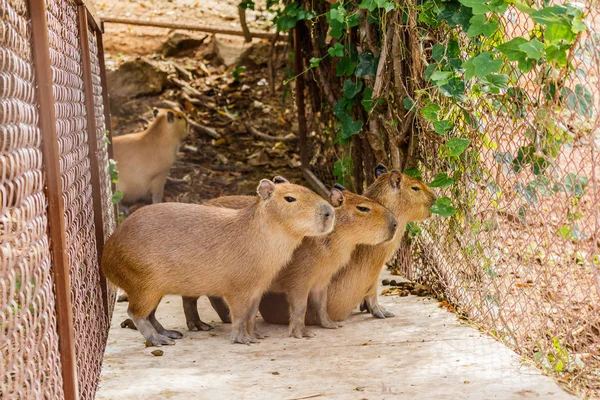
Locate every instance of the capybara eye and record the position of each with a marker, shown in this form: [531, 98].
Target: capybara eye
[289, 199]
[416, 188]
[363, 209]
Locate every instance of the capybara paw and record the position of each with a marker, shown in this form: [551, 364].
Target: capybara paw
[329, 324]
[300, 333]
[364, 307]
[159, 340]
[380, 313]
[173, 334]
[387, 314]
[122, 298]
[242, 338]
[260, 335]
[199, 326]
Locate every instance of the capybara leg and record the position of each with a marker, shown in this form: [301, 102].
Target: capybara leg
[157, 188]
[240, 309]
[298, 304]
[221, 307]
[124, 209]
[318, 297]
[139, 310]
[159, 328]
[251, 325]
[192, 318]
[373, 306]
[122, 297]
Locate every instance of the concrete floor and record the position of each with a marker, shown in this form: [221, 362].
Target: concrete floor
[422, 353]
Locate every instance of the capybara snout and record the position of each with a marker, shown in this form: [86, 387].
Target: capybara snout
[392, 225]
[327, 215]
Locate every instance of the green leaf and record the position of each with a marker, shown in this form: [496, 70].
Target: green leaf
[512, 49]
[338, 14]
[367, 64]
[342, 170]
[437, 52]
[345, 66]
[443, 207]
[481, 26]
[314, 62]
[495, 82]
[413, 172]
[575, 185]
[408, 104]
[351, 88]
[580, 100]
[481, 65]
[441, 127]
[454, 88]
[336, 51]
[117, 196]
[371, 5]
[441, 77]
[441, 181]
[367, 100]
[350, 127]
[557, 54]
[430, 112]
[413, 230]
[456, 146]
[534, 49]
[430, 70]
[483, 7]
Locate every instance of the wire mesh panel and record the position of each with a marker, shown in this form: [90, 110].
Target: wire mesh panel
[108, 215]
[29, 355]
[521, 257]
[90, 321]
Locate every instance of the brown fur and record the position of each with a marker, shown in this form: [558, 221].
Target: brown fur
[193, 250]
[357, 282]
[145, 158]
[318, 258]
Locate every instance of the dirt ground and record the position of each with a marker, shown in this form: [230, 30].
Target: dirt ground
[422, 353]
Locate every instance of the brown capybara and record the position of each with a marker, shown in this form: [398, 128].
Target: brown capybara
[193, 250]
[409, 199]
[145, 158]
[358, 221]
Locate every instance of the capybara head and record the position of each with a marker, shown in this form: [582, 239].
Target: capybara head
[174, 121]
[361, 219]
[295, 207]
[402, 194]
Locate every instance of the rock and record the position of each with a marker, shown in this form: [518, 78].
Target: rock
[385, 282]
[179, 44]
[134, 79]
[257, 55]
[228, 54]
[158, 353]
[128, 323]
[393, 282]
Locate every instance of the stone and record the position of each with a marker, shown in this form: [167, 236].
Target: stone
[135, 79]
[180, 44]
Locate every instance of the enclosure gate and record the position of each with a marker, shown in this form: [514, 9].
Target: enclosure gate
[55, 199]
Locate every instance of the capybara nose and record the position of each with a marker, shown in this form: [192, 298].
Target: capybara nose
[327, 211]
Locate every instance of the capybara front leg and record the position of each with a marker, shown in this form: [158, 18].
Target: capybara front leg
[192, 318]
[159, 328]
[372, 304]
[318, 297]
[240, 309]
[251, 325]
[298, 303]
[221, 307]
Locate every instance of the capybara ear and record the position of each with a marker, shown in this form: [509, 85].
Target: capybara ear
[339, 187]
[155, 111]
[170, 117]
[395, 179]
[280, 179]
[380, 169]
[265, 189]
[336, 197]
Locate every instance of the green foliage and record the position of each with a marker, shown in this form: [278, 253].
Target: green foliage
[117, 197]
[342, 170]
[443, 206]
[456, 146]
[291, 15]
[113, 171]
[441, 181]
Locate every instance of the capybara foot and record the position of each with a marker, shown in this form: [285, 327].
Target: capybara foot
[242, 338]
[199, 326]
[329, 324]
[300, 332]
[122, 298]
[172, 334]
[381, 313]
[260, 335]
[159, 340]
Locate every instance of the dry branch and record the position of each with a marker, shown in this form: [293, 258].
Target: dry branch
[256, 133]
[244, 24]
[204, 129]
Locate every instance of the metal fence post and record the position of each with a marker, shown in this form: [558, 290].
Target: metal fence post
[88, 89]
[56, 224]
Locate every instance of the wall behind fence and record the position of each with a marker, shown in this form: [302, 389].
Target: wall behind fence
[54, 302]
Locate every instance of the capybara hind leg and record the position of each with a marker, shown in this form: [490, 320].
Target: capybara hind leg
[372, 304]
[318, 297]
[221, 307]
[240, 309]
[157, 188]
[140, 307]
[159, 328]
[122, 298]
[251, 325]
[192, 318]
[298, 304]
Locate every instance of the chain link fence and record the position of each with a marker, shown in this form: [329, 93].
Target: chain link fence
[54, 303]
